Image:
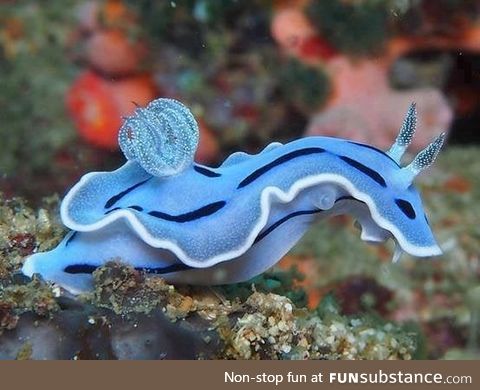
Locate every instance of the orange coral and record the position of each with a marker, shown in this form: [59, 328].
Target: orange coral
[97, 105]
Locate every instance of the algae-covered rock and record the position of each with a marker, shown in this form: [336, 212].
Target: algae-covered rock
[266, 330]
[273, 328]
[24, 231]
[36, 297]
[132, 316]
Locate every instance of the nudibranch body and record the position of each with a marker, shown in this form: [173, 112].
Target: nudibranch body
[201, 225]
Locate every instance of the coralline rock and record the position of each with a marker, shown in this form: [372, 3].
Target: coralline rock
[273, 328]
[266, 330]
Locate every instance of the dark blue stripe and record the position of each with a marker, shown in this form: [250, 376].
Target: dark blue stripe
[366, 170]
[114, 199]
[271, 228]
[281, 221]
[206, 172]
[192, 215]
[80, 269]
[204, 211]
[280, 160]
[374, 149]
[70, 238]
[88, 269]
[112, 210]
[406, 208]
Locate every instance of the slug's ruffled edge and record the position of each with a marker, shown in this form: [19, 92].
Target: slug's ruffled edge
[266, 197]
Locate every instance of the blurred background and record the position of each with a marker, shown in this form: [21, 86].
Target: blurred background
[259, 71]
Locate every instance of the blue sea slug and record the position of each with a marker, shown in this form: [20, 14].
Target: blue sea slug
[164, 213]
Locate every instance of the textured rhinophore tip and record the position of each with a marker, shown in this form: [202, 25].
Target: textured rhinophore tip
[162, 138]
[405, 135]
[428, 155]
[408, 127]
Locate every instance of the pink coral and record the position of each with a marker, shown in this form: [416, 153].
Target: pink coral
[364, 107]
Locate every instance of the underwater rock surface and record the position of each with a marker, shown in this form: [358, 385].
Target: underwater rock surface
[130, 316]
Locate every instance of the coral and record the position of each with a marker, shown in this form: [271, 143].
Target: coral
[264, 325]
[97, 104]
[118, 77]
[115, 51]
[123, 289]
[113, 41]
[375, 119]
[8, 320]
[297, 37]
